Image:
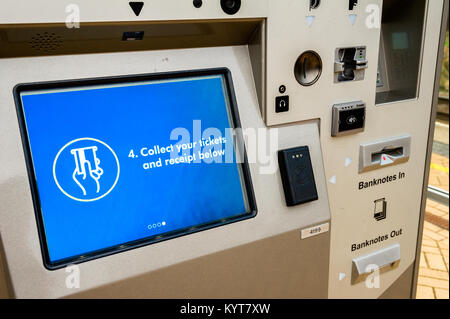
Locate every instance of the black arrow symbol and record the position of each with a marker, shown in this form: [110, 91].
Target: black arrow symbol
[137, 7]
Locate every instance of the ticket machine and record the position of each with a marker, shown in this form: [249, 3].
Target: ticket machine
[215, 148]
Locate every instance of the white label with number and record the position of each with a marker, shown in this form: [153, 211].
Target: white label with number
[315, 230]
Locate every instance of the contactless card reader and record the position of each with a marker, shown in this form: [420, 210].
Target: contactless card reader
[297, 176]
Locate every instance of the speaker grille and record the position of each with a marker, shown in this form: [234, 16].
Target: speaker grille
[45, 41]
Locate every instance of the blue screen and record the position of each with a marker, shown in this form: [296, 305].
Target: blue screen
[116, 163]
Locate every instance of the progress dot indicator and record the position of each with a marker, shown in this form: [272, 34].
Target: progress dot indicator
[156, 225]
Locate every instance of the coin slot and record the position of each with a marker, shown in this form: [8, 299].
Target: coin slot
[308, 68]
[314, 4]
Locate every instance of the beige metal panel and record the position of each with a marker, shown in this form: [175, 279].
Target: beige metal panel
[288, 36]
[401, 288]
[4, 286]
[51, 11]
[275, 267]
[403, 196]
[17, 223]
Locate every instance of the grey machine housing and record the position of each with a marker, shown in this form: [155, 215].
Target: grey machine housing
[316, 249]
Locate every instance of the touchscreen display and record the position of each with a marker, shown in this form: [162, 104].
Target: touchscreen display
[123, 162]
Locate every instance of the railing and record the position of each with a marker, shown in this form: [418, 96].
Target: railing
[438, 195]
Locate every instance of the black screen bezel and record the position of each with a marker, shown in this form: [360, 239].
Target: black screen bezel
[53, 265]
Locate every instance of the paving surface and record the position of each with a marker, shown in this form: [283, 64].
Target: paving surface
[433, 280]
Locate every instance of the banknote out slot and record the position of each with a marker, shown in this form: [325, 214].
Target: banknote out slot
[381, 261]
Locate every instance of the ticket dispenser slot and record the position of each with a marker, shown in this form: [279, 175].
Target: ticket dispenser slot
[382, 260]
[385, 152]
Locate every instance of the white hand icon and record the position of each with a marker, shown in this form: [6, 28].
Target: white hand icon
[87, 174]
